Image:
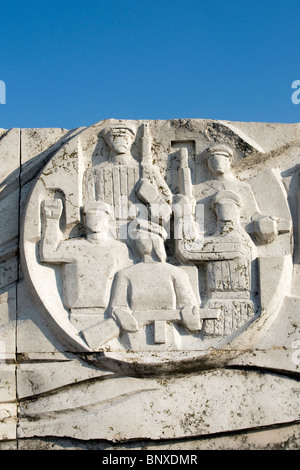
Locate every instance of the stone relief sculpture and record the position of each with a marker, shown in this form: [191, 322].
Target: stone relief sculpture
[139, 271]
[159, 272]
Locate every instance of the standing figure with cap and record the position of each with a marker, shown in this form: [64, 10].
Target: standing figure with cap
[219, 159]
[113, 181]
[122, 181]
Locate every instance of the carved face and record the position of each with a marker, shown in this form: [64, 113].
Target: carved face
[219, 164]
[119, 141]
[227, 211]
[144, 245]
[96, 221]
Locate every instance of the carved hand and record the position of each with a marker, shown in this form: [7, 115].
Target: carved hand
[125, 318]
[52, 209]
[191, 318]
[265, 228]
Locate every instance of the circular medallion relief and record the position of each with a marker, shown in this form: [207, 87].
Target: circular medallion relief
[145, 249]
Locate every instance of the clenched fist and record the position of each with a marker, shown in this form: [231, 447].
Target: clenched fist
[52, 208]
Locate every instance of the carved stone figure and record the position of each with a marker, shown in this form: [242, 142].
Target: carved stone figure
[88, 265]
[126, 184]
[113, 181]
[193, 239]
[219, 160]
[229, 280]
[153, 291]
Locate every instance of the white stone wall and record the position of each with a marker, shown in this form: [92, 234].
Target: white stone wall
[243, 394]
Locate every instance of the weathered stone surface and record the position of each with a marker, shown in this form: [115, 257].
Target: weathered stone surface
[276, 438]
[163, 407]
[8, 407]
[156, 297]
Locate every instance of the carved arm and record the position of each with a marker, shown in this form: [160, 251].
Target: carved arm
[51, 213]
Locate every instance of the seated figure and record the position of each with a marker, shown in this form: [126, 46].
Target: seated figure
[153, 291]
[229, 280]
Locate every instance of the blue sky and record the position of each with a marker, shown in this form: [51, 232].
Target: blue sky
[73, 63]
